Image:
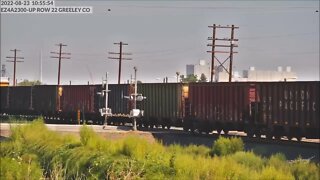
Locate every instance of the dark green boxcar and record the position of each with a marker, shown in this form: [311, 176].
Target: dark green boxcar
[45, 99]
[20, 100]
[163, 105]
[116, 100]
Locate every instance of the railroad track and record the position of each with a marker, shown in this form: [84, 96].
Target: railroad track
[284, 141]
[177, 130]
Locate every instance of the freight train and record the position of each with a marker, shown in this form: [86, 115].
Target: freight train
[273, 109]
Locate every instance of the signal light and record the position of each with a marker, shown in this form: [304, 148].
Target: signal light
[60, 90]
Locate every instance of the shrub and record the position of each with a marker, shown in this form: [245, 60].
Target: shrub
[271, 172]
[302, 169]
[227, 168]
[248, 159]
[193, 150]
[278, 161]
[19, 168]
[224, 146]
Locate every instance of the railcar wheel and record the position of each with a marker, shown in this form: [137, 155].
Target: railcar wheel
[299, 137]
[185, 128]
[192, 130]
[258, 135]
[226, 131]
[250, 134]
[269, 135]
[277, 137]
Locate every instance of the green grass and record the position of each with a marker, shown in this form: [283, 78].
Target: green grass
[34, 152]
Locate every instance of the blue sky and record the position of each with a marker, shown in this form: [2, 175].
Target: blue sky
[163, 36]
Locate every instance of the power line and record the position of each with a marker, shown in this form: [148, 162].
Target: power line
[280, 35]
[14, 64]
[120, 58]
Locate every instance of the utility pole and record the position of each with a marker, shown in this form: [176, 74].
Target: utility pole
[60, 57]
[14, 64]
[120, 58]
[212, 50]
[230, 52]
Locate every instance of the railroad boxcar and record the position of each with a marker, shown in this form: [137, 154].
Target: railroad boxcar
[20, 100]
[4, 101]
[45, 100]
[163, 104]
[289, 109]
[78, 100]
[271, 108]
[117, 102]
[218, 106]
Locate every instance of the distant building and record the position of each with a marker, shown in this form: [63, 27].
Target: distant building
[259, 75]
[190, 69]
[198, 69]
[202, 68]
[279, 75]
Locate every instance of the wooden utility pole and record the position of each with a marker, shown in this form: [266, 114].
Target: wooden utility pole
[60, 57]
[212, 50]
[120, 58]
[231, 52]
[232, 44]
[14, 64]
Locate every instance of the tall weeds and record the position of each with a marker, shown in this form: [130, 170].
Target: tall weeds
[34, 152]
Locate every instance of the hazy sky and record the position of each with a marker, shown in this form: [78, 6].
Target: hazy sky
[163, 36]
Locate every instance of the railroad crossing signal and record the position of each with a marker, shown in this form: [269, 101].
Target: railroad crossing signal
[136, 113]
[105, 111]
[139, 97]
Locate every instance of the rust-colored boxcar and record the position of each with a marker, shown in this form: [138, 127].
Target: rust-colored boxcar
[219, 106]
[290, 108]
[272, 108]
[72, 99]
